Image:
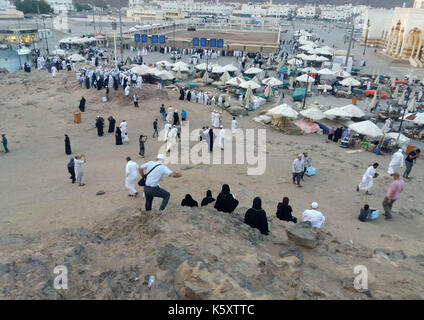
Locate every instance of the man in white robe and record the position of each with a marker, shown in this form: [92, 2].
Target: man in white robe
[131, 171]
[220, 101]
[396, 162]
[170, 115]
[123, 127]
[213, 103]
[241, 98]
[234, 125]
[134, 80]
[212, 116]
[54, 70]
[193, 96]
[216, 120]
[221, 137]
[127, 90]
[368, 179]
[139, 82]
[171, 142]
[205, 98]
[200, 98]
[166, 129]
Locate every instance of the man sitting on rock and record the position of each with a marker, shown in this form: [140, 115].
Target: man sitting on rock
[315, 217]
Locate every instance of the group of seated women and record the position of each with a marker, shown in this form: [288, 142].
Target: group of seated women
[254, 217]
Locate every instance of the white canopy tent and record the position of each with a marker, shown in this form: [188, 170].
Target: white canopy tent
[353, 110]
[273, 82]
[337, 112]
[314, 114]
[367, 128]
[283, 110]
[305, 78]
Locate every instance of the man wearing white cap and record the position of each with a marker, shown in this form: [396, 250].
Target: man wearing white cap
[154, 172]
[221, 137]
[315, 217]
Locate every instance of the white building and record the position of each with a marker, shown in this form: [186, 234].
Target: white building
[307, 12]
[400, 32]
[280, 10]
[61, 6]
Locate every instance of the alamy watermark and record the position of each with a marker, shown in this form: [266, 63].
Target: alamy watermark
[240, 147]
[61, 281]
[361, 280]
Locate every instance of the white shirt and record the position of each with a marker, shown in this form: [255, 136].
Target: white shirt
[78, 165]
[315, 217]
[131, 169]
[298, 166]
[154, 177]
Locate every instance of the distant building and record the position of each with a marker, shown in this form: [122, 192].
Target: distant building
[8, 11]
[400, 32]
[307, 12]
[61, 6]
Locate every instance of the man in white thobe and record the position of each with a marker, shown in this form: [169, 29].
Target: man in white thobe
[315, 217]
[205, 98]
[127, 90]
[221, 137]
[220, 101]
[131, 171]
[200, 98]
[216, 120]
[212, 116]
[234, 125]
[166, 129]
[134, 80]
[139, 82]
[170, 115]
[54, 70]
[368, 179]
[123, 127]
[396, 162]
[213, 103]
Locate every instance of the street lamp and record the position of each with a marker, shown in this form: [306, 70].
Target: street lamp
[404, 111]
[366, 35]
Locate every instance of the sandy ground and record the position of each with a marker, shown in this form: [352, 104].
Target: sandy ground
[36, 112]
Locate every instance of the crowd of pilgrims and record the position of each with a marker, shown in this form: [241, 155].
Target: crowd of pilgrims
[254, 217]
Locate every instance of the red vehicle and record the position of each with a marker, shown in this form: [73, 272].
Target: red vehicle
[372, 92]
[401, 82]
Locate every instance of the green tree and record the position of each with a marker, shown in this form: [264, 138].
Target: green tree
[82, 6]
[32, 6]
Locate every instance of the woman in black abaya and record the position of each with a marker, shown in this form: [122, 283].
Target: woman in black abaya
[67, 145]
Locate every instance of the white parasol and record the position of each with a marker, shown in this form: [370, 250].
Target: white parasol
[367, 128]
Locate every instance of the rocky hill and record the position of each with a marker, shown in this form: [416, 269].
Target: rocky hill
[200, 254]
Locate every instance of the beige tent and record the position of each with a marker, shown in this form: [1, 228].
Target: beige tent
[165, 75]
[313, 113]
[205, 77]
[230, 68]
[225, 77]
[249, 84]
[412, 105]
[401, 101]
[253, 71]
[268, 91]
[353, 110]
[272, 82]
[337, 112]
[235, 81]
[283, 110]
[248, 96]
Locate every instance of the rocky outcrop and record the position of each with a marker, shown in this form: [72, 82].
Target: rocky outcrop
[196, 253]
[303, 235]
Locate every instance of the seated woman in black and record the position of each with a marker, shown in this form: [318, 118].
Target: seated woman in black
[256, 217]
[189, 202]
[284, 211]
[226, 201]
[208, 199]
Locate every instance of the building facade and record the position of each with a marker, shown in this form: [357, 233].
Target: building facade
[400, 32]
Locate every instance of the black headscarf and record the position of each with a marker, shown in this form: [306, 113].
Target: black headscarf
[256, 217]
[208, 199]
[225, 201]
[284, 211]
[189, 202]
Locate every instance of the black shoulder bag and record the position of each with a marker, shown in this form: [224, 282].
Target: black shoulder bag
[142, 181]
